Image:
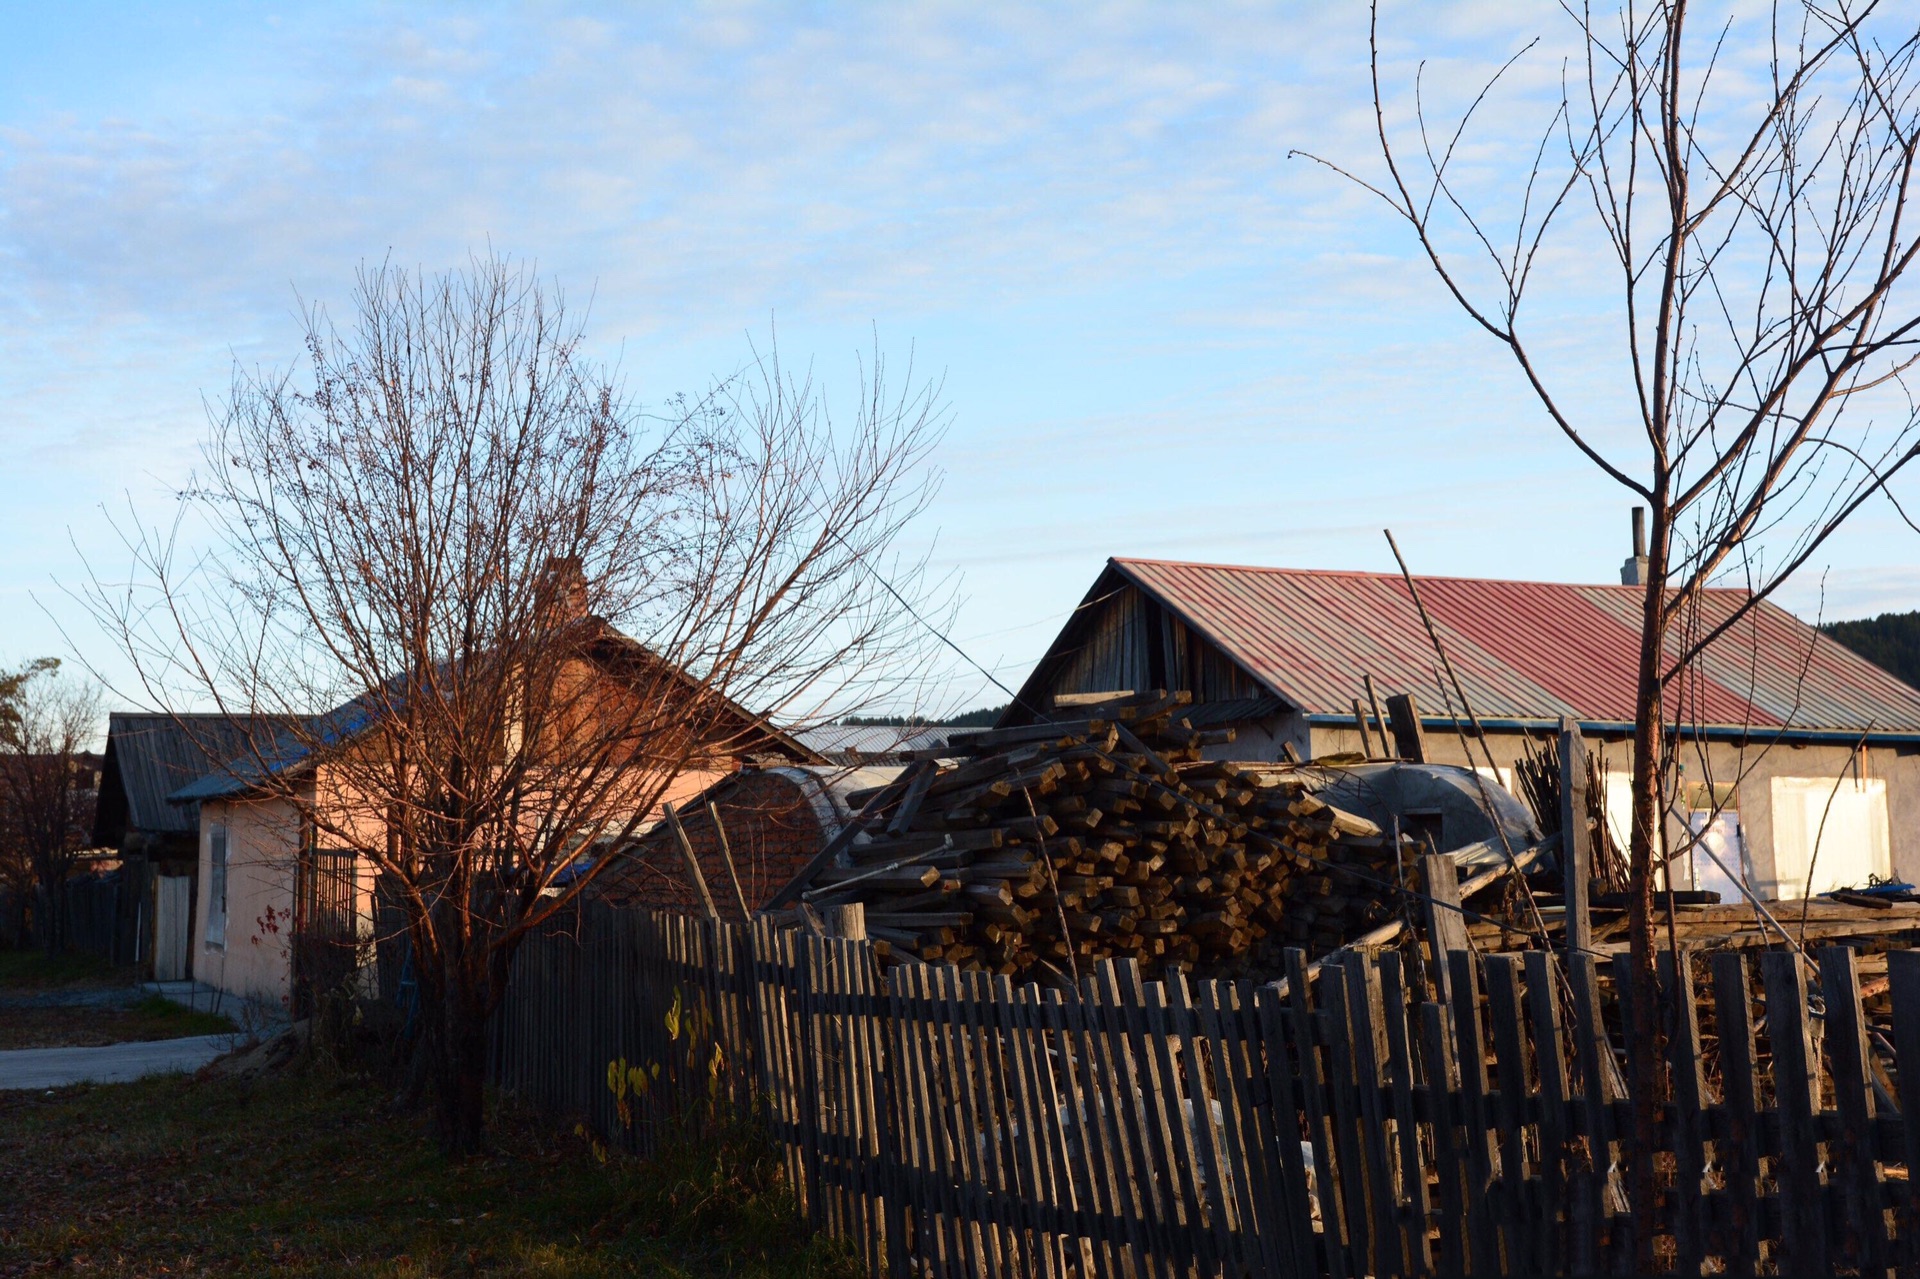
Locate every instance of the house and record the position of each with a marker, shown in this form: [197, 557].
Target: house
[263, 880]
[1801, 764]
[147, 758]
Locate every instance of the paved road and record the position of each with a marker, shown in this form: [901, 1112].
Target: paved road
[113, 1064]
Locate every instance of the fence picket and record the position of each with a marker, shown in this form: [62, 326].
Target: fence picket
[1740, 1146]
[1251, 1147]
[1903, 973]
[1483, 1227]
[1864, 1232]
[1302, 1037]
[1089, 1175]
[1138, 1103]
[1550, 1061]
[1443, 1091]
[1121, 1127]
[936, 1215]
[1689, 1099]
[1520, 1221]
[1283, 1089]
[1593, 1053]
[951, 1124]
[1796, 1091]
[1412, 1168]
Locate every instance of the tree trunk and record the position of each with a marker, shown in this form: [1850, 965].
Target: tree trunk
[1645, 1043]
[53, 917]
[460, 1067]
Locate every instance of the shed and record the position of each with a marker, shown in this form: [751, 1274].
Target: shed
[1801, 763]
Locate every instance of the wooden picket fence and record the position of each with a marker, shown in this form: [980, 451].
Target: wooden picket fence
[951, 1123]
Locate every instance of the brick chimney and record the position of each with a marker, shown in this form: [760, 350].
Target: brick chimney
[563, 591]
[1634, 571]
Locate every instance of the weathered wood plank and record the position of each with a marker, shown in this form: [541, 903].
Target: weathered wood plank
[1411, 1170]
[1903, 973]
[1593, 1055]
[1556, 1129]
[1304, 1063]
[1521, 1219]
[1446, 926]
[1740, 1145]
[1796, 1090]
[1451, 1170]
[1689, 1096]
[1576, 841]
[1364, 1237]
[1864, 1227]
[1483, 1229]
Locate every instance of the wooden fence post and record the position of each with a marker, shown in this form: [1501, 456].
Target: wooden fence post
[1576, 841]
[848, 921]
[1403, 717]
[1446, 925]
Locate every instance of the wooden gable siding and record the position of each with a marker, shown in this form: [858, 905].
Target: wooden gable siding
[1127, 641]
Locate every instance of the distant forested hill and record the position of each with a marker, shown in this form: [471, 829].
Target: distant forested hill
[981, 718]
[1890, 641]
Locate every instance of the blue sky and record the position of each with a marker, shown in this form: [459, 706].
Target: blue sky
[1159, 334]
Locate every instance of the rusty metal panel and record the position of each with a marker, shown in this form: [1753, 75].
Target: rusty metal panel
[1522, 650]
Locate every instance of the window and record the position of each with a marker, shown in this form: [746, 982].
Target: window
[1827, 836]
[217, 885]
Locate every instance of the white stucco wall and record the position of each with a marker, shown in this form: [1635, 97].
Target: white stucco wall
[255, 960]
[1750, 769]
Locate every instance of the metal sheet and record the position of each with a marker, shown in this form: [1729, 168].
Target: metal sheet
[1523, 650]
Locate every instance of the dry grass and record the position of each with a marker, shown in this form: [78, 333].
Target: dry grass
[32, 970]
[310, 1174]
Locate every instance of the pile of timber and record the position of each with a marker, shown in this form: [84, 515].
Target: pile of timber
[1051, 845]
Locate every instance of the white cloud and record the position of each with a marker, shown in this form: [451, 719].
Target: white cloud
[1086, 214]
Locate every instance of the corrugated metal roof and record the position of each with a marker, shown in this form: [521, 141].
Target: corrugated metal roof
[1522, 650]
[149, 757]
[617, 654]
[851, 743]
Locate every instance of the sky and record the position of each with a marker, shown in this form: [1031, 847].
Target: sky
[1159, 331]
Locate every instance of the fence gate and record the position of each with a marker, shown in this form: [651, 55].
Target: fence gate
[172, 922]
[326, 932]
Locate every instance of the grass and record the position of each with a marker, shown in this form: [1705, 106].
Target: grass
[310, 1174]
[153, 1017]
[32, 970]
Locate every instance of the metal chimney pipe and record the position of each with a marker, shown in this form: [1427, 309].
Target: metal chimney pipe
[1639, 532]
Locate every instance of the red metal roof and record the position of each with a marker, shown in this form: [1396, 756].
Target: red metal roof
[1522, 650]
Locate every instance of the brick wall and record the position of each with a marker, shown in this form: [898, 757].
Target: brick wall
[772, 829]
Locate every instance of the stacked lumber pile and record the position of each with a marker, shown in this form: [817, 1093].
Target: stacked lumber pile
[1059, 843]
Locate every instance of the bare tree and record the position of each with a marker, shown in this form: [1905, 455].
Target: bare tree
[534, 608]
[1749, 189]
[46, 786]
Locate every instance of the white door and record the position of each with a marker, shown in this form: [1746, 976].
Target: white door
[1828, 834]
[172, 916]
